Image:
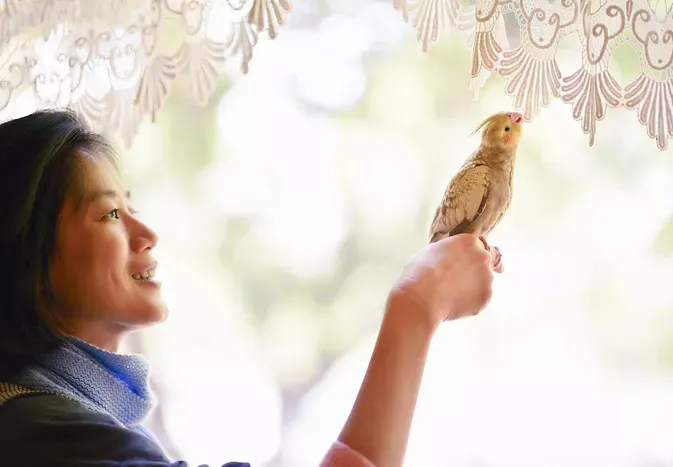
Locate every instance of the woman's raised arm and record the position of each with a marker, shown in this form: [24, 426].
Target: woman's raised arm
[447, 280]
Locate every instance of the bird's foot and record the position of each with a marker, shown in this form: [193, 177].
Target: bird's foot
[497, 260]
[496, 255]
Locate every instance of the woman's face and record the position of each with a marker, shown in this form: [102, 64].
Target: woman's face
[103, 265]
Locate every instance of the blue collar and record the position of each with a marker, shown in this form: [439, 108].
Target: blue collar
[103, 381]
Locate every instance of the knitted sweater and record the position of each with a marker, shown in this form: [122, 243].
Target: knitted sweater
[88, 410]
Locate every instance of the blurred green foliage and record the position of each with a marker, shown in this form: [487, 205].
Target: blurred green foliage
[663, 243]
[190, 131]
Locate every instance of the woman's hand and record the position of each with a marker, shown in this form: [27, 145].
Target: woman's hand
[448, 279]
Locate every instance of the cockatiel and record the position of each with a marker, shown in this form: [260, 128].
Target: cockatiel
[480, 193]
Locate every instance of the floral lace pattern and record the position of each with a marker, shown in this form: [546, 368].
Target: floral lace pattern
[531, 72]
[114, 61]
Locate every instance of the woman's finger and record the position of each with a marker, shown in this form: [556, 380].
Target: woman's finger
[485, 243]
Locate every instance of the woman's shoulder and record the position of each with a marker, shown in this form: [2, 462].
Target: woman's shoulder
[51, 430]
[45, 430]
[34, 409]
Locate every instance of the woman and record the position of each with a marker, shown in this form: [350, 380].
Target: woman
[77, 273]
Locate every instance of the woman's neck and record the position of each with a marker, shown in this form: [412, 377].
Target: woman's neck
[99, 336]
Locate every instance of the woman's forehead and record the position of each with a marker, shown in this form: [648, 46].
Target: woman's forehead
[100, 175]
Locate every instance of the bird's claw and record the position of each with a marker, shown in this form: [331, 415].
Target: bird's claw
[497, 261]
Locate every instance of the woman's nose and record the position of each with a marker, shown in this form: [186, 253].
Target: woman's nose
[144, 238]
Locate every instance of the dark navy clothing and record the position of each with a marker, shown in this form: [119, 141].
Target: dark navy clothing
[52, 431]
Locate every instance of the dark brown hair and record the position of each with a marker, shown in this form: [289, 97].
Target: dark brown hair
[40, 166]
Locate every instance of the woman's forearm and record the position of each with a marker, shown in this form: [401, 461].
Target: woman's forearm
[379, 424]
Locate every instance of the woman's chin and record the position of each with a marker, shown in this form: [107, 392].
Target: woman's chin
[159, 315]
[154, 312]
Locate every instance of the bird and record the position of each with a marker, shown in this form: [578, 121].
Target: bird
[479, 194]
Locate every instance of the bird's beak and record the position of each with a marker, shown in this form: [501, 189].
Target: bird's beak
[515, 117]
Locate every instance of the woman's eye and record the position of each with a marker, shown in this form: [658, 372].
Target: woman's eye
[114, 214]
[506, 128]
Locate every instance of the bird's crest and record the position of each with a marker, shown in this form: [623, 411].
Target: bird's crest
[487, 121]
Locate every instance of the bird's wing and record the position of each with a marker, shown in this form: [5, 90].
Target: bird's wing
[464, 201]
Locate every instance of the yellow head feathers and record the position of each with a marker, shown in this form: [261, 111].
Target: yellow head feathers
[501, 130]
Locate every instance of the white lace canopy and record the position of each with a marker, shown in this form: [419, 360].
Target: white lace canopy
[115, 60]
[531, 69]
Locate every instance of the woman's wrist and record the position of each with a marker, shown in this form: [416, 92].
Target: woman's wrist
[410, 316]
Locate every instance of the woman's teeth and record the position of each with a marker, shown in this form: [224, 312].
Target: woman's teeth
[143, 276]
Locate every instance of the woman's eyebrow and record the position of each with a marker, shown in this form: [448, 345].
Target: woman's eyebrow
[98, 194]
[95, 195]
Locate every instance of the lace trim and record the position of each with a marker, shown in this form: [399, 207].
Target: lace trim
[531, 71]
[114, 61]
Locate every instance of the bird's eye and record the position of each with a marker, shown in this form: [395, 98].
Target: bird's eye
[506, 128]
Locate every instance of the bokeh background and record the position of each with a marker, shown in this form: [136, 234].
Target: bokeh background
[287, 206]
